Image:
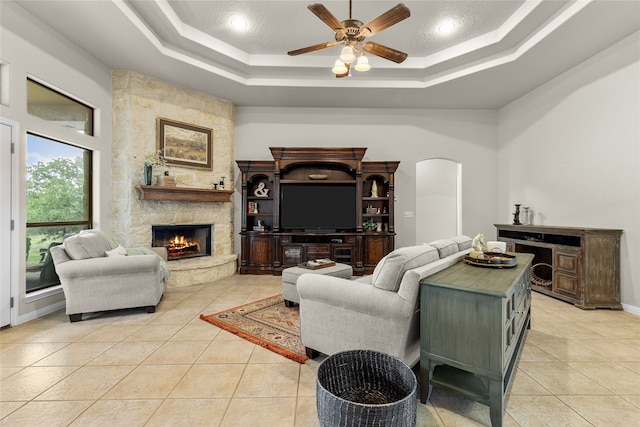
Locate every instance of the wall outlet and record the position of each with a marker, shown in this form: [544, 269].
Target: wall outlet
[408, 214]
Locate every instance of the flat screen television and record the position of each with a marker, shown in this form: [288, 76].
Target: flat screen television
[318, 207]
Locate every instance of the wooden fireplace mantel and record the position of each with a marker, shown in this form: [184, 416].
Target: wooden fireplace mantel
[181, 194]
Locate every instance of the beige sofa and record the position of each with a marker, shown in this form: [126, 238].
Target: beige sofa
[378, 312]
[97, 274]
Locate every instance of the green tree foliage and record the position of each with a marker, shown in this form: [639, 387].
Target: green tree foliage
[56, 190]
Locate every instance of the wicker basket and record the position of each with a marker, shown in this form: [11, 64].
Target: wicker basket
[366, 388]
[536, 279]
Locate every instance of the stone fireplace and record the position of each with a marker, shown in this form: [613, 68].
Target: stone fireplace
[183, 241]
[138, 101]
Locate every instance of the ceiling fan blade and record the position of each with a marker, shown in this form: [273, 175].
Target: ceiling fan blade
[346, 73]
[387, 19]
[325, 16]
[311, 48]
[385, 52]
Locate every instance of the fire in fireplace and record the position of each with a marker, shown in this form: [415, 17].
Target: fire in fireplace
[183, 241]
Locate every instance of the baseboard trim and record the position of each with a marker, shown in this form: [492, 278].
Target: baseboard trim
[32, 315]
[631, 309]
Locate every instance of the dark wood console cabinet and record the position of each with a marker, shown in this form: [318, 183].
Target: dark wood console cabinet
[268, 248]
[577, 265]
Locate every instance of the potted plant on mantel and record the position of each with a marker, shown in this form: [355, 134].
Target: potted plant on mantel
[151, 160]
[369, 225]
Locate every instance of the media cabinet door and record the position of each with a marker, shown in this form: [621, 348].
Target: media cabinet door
[567, 272]
[261, 254]
[375, 248]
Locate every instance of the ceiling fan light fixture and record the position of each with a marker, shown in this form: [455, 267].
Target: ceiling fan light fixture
[339, 67]
[347, 56]
[363, 64]
[351, 33]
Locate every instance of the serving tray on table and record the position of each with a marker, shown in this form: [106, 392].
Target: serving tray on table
[318, 263]
[492, 259]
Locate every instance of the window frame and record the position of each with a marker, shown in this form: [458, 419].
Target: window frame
[87, 223]
[63, 95]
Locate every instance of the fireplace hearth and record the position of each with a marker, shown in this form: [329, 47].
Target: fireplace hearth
[183, 241]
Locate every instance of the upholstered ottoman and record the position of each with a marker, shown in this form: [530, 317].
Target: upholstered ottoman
[290, 277]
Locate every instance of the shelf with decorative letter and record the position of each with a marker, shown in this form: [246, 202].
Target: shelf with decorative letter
[181, 194]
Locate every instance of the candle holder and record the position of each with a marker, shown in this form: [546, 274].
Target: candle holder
[516, 215]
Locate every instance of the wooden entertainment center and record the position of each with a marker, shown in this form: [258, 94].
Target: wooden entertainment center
[267, 247]
[578, 265]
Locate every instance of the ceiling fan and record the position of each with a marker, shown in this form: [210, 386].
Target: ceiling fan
[352, 33]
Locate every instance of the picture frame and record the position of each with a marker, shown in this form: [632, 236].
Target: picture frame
[184, 144]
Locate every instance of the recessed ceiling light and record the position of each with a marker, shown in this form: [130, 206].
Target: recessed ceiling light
[447, 26]
[239, 23]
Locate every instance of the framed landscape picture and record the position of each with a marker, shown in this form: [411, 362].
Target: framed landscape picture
[185, 145]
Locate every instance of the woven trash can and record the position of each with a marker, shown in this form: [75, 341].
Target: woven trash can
[366, 388]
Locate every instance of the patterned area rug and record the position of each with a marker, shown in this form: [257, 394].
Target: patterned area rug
[266, 322]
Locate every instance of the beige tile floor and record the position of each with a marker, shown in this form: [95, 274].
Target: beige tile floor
[130, 368]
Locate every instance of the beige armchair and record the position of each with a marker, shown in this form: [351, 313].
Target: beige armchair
[98, 275]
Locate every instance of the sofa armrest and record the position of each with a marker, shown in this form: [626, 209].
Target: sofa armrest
[108, 266]
[59, 254]
[161, 251]
[354, 296]
[155, 250]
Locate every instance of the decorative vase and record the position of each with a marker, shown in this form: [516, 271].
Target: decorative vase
[148, 174]
[526, 220]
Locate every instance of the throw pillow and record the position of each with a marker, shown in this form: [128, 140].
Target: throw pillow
[463, 242]
[445, 247]
[118, 251]
[86, 245]
[388, 273]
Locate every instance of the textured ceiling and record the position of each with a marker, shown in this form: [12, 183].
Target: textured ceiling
[275, 25]
[501, 50]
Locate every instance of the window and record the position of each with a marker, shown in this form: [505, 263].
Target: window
[55, 107]
[4, 83]
[58, 203]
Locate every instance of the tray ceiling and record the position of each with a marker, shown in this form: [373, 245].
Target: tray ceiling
[499, 51]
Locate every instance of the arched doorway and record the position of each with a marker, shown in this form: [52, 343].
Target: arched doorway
[438, 199]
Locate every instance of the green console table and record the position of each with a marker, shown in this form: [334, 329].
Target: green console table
[472, 327]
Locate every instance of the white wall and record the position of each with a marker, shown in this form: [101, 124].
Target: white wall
[468, 137]
[30, 48]
[571, 151]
